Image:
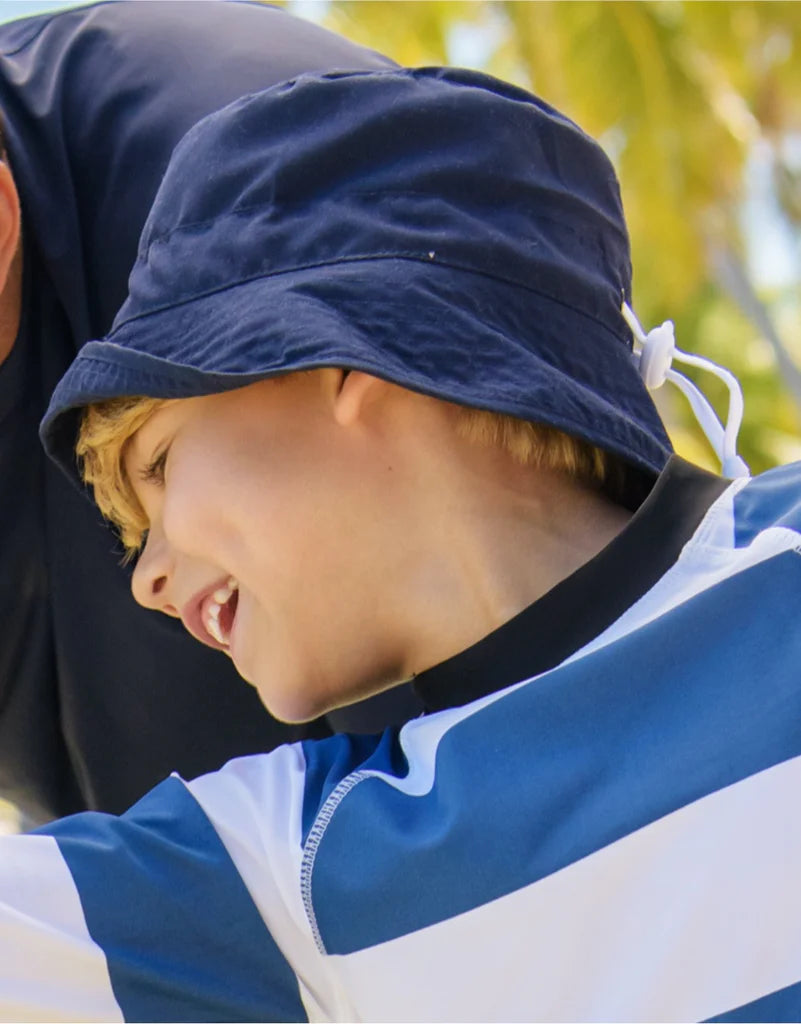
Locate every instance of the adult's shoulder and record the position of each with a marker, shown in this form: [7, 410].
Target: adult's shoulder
[94, 100]
[129, 31]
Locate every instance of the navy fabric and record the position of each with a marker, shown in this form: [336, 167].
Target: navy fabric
[784, 1005]
[210, 957]
[436, 227]
[721, 710]
[100, 699]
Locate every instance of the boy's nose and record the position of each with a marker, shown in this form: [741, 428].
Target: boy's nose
[150, 583]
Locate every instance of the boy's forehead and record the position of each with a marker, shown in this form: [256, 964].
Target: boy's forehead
[172, 413]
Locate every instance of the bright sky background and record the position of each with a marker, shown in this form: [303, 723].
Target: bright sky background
[10, 9]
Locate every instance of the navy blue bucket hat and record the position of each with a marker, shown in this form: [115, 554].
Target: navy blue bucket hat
[435, 227]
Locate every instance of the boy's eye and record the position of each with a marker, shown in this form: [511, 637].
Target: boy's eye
[153, 473]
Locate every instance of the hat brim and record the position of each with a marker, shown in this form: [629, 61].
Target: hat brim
[499, 346]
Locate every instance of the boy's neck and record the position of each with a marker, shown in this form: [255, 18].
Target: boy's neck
[501, 556]
[485, 537]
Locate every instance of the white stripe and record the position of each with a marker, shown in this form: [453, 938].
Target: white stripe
[255, 805]
[693, 915]
[50, 968]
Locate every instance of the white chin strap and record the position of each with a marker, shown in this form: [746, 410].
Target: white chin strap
[655, 352]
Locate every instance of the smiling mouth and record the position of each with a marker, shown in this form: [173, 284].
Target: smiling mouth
[220, 611]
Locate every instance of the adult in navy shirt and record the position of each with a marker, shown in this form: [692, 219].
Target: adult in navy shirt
[100, 699]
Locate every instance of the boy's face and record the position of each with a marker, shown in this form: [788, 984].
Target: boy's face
[269, 498]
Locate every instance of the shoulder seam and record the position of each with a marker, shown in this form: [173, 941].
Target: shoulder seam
[312, 844]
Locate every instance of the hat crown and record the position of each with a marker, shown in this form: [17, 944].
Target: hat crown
[427, 164]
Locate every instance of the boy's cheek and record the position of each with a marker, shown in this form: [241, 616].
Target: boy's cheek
[193, 515]
[284, 667]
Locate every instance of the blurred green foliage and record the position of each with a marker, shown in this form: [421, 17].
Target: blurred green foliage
[685, 97]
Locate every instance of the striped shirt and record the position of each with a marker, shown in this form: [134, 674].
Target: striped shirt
[615, 839]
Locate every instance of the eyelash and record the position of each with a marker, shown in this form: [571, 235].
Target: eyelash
[154, 472]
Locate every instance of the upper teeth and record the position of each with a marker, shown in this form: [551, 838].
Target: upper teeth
[220, 597]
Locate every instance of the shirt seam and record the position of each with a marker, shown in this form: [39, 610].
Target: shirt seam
[312, 845]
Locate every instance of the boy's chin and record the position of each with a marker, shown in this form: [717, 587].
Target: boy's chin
[295, 708]
[290, 707]
[292, 692]
[301, 706]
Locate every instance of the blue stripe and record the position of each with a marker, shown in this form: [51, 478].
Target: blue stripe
[330, 760]
[704, 696]
[773, 499]
[163, 900]
[784, 1005]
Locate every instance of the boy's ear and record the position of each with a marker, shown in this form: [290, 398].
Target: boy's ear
[356, 390]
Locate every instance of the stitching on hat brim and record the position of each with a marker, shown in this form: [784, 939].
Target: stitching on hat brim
[410, 257]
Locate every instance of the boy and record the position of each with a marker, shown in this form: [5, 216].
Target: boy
[592, 821]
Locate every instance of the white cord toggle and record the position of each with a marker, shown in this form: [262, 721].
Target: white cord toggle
[655, 352]
[656, 355]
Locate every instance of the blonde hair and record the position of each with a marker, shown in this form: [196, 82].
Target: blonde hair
[108, 426]
[539, 445]
[105, 430]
